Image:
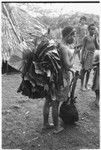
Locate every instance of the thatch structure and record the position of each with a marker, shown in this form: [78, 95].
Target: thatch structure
[18, 26]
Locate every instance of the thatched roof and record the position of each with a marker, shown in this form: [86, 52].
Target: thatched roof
[27, 28]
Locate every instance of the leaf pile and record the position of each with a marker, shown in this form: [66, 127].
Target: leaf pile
[42, 69]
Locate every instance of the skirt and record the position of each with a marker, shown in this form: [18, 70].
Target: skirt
[88, 61]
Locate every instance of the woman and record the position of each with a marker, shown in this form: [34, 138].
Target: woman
[89, 46]
[67, 57]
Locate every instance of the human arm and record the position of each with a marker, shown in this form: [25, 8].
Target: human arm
[69, 57]
[96, 42]
[96, 58]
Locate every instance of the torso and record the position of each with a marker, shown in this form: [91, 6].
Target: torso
[90, 45]
[65, 53]
[89, 52]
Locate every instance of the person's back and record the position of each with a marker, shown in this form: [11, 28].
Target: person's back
[66, 55]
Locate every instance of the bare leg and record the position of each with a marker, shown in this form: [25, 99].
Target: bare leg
[82, 78]
[46, 110]
[87, 79]
[6, 67]
[55, 106]
[79, 55]
[97, 97]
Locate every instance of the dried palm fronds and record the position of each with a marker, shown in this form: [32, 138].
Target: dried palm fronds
[42, 69]
[18, 26]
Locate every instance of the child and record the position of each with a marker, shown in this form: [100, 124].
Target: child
[89, 46]
[66, 56]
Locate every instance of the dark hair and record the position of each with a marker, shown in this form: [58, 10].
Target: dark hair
[66, 31]
[83, 18]
[91, 25]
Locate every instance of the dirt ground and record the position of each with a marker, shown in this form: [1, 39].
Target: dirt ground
[22, 121]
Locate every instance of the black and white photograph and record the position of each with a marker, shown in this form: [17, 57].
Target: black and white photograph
[50, 75]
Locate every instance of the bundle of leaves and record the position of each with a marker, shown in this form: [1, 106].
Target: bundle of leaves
[43, 68]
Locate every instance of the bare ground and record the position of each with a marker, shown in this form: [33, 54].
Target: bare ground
[22, 121]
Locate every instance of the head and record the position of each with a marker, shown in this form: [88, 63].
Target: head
[83, 20]
[68, 35]
[91, 29]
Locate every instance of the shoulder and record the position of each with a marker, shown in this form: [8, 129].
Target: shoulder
[66, 50]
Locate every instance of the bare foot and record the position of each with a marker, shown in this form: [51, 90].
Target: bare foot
[83, 89]
[48, 126]
[58, 130]
[96, 103]
[87, 88]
